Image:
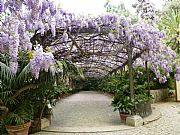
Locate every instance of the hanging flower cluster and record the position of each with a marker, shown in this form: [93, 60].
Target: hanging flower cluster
[25, 17]
[147, 37]
[42, 61]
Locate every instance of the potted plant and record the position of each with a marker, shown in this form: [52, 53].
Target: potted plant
[18, 95]
[124, 105]
[17, 123]
[18, 119]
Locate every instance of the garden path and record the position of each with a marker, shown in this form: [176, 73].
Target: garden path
[91, 110]
[85, 108]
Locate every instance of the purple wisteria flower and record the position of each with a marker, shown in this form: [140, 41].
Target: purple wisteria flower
[42, 61]
[1, 6]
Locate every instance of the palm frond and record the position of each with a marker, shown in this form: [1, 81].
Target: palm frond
[5, 94]
[6, 75]
[24, 74]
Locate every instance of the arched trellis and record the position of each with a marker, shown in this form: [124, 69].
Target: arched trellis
[107, 40]
[86, 46]
[90, 47]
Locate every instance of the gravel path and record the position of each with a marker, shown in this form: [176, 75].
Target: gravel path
[93, 110]
[86, 108]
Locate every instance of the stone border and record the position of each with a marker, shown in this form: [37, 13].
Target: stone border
[153, 117]
[88, 129]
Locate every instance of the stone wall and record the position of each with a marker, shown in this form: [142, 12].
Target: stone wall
[159, 95]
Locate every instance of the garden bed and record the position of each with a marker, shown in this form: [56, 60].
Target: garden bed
[159, 94]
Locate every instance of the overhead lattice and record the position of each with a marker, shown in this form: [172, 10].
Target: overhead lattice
[102, 45]
[96, 53]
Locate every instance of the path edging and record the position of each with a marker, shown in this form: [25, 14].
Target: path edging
[153, 117]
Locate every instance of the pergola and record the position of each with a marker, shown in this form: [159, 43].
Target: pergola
[93, 51]
[97, 53]
[103, 45]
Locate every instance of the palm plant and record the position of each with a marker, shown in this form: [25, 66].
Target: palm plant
[14, 86]
[16, 109]
[16, 104]
[170, 23]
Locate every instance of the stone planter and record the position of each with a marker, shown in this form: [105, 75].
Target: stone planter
[143, 109]
[135, 121]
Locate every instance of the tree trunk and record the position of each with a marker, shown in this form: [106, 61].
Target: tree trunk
[130, 67]
[148, 79]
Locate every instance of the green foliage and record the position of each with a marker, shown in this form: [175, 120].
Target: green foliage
[6, 75]
[141, 79]
[170, 23]
[91, 84]
[13, 90]
[2, 128]
[70, 69]
[142, 94]
[118, 85]
[62, 89]
[21, 93]
[20, 113]
[114, 84]
[123, 103]
[15, 119]
[11, 83]
[143, 98]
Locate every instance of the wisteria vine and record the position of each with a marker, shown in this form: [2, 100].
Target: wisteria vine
[27, 17]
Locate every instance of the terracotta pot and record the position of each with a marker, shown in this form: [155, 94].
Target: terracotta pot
[19, 129]
[123, 116]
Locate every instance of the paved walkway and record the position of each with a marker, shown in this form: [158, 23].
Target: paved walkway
[87, 109]
[90, 110]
